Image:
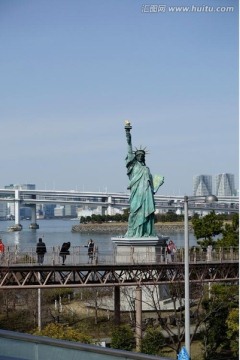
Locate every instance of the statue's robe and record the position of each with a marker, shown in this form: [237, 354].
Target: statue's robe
[142, 206]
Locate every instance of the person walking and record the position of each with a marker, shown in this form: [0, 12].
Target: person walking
[41, 251]
[2, 249]
[65, 251]
[91, 247]
[171, 249]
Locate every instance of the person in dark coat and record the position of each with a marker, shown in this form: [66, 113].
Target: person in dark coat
[64, 251]
[41, 250]
[90, 247]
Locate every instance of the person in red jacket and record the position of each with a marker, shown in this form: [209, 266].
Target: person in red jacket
[2, 248]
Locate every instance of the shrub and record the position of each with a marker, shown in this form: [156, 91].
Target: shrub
[62, 332]
[152, 342]
[123, 338]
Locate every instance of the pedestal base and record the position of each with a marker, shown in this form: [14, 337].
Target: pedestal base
[145, 250]
[140, 250]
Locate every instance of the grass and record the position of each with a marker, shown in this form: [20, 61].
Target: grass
[104, 327]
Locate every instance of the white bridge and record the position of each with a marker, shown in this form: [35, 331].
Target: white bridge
[106, 200]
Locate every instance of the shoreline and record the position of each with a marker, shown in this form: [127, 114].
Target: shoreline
[121, 228]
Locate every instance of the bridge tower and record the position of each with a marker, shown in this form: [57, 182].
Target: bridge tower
[17, 208]
[33, 224]
[17, 226]
[109, 208]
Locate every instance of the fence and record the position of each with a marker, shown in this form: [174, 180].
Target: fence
[13, 255]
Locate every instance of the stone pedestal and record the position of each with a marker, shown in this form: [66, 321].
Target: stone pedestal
[144, 250]
[140, 250]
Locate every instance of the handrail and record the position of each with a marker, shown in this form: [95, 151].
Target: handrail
[15, 255]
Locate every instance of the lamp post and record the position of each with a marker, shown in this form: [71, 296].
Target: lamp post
[208, 199]
[186, 273]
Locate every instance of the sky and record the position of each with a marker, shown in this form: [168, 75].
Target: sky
[72, 72]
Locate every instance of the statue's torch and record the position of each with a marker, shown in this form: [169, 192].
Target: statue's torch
[128, 126]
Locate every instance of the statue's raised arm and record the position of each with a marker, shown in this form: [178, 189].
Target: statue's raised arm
[128, 128]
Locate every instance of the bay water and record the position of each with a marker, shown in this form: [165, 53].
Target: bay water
[56, 231]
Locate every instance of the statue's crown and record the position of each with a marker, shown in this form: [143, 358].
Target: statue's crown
[140, 151]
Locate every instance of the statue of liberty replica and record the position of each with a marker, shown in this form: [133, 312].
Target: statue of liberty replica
[142, 188]
[141, 244]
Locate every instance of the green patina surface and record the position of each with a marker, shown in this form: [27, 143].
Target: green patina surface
[142, 188]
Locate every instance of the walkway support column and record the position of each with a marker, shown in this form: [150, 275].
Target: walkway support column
[117, 305]
[138, 307]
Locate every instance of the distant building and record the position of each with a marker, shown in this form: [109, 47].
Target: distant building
[71, 210]
[3, 210]
[224, 185]
[202, 185]
[59, 211]
[84, 212]
[48, 210]
[25, 212]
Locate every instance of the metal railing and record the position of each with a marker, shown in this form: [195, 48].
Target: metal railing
[15, 255]
[15, 345]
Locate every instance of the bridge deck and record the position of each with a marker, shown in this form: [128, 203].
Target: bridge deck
[35, 276]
